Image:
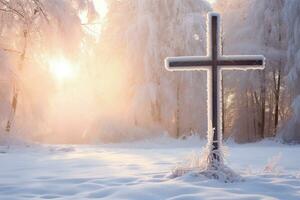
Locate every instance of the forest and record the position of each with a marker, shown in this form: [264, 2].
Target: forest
[84, 71]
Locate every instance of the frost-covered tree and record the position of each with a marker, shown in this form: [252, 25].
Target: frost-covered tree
[138, 35]
[31, 31]
[255, 27]
[290, 132]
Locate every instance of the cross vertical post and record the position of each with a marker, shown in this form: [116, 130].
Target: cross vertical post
[214, 82]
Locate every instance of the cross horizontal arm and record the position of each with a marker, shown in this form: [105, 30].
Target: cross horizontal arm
[187, 62]
[224, 62]
[241, 62]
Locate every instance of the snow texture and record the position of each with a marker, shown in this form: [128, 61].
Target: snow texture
[142, 171]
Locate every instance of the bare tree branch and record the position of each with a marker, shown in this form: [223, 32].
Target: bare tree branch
[8, 8]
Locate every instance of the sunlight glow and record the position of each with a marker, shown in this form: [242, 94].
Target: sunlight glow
[101, 7]
[212, 1]
[61, 69]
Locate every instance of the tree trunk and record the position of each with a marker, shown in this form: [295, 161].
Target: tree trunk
[178, 110]
[14, 103]
[223, 106]
[277, 98]
[263, 103]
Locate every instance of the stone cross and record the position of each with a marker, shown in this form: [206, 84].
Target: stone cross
[214, 63]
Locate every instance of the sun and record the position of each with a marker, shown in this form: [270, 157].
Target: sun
[61, 69]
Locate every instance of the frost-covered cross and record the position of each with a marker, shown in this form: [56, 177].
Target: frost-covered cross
[214, 63]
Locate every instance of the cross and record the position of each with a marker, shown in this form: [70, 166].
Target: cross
[214, 63]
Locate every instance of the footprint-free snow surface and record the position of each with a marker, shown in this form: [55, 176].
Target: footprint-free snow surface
[141, 171]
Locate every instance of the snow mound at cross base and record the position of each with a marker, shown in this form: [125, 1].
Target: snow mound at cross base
[204, 165]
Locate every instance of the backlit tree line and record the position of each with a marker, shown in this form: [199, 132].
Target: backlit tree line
[135, 39]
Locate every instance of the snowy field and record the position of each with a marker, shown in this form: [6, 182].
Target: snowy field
[141, 171]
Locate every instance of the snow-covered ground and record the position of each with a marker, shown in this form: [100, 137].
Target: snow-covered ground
[141, 171]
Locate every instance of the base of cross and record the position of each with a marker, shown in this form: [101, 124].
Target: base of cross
[209, 164]
[207, 167]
